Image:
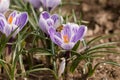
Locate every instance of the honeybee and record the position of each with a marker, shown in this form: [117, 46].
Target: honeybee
[59, 28]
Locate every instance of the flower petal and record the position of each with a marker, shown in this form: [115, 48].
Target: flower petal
[62, 67]
[11, 17]
[2, 16]
[66, 31]
[7, 30]
[58, 20]
[21, 19]
[2, 25]
[55, 38]
[42, 25]
[35, 3]
[50, 4]
[79, 34]
[45, 15]
[68, 46]
[45, 22]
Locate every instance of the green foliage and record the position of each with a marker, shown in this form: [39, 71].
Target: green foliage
[93, 51]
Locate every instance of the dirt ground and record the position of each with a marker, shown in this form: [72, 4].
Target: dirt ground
[104, 18]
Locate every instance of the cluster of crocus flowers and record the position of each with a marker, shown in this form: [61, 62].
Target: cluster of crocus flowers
[4, 5]
[47, 4]
[46, 21]
[64, 35]
[15, 22]
[69, 35]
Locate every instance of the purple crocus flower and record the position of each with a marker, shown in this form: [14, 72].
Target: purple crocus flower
[35, 3]
[4, 5]
[68, 36]
[50, 4]
[46, 21]
[14, 22]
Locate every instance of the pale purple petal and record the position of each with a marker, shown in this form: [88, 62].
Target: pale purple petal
[68, 46]
[74, 27]
[42, 25]
[79, 34]
[13, 14]
[2, 22]
[58, 34]
[51, 31]
[2, 25]
[45, 22]
[45, 15]
[58, 20]
[49, 22]
[21, 20]
[55, 17]
[35, 3]
[7, 30]
[55, 38]
[66, 31]
[50, 4]
[2, 16]
[53, 4]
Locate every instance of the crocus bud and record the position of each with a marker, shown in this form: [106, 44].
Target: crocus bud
[35, 3]
[4, 5]
[50, 4]
[61, 67]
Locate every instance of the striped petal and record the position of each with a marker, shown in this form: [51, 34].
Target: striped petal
[57, 20]
[3, 22]
[45, 21]
[55, 38]
[21, 20]
[7, 30]
[68, 46]
[2, 25]
[79, 34]
[45, 15]
[66, 33]
[11, 17]
[50, 4]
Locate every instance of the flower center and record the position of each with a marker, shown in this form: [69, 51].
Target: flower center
[66, 39]
[10, 19]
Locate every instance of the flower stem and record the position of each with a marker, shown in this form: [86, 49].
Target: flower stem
[67, 56]
[53, 52]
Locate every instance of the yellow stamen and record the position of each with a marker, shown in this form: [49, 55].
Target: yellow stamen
[66, 39]
[10, 19]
